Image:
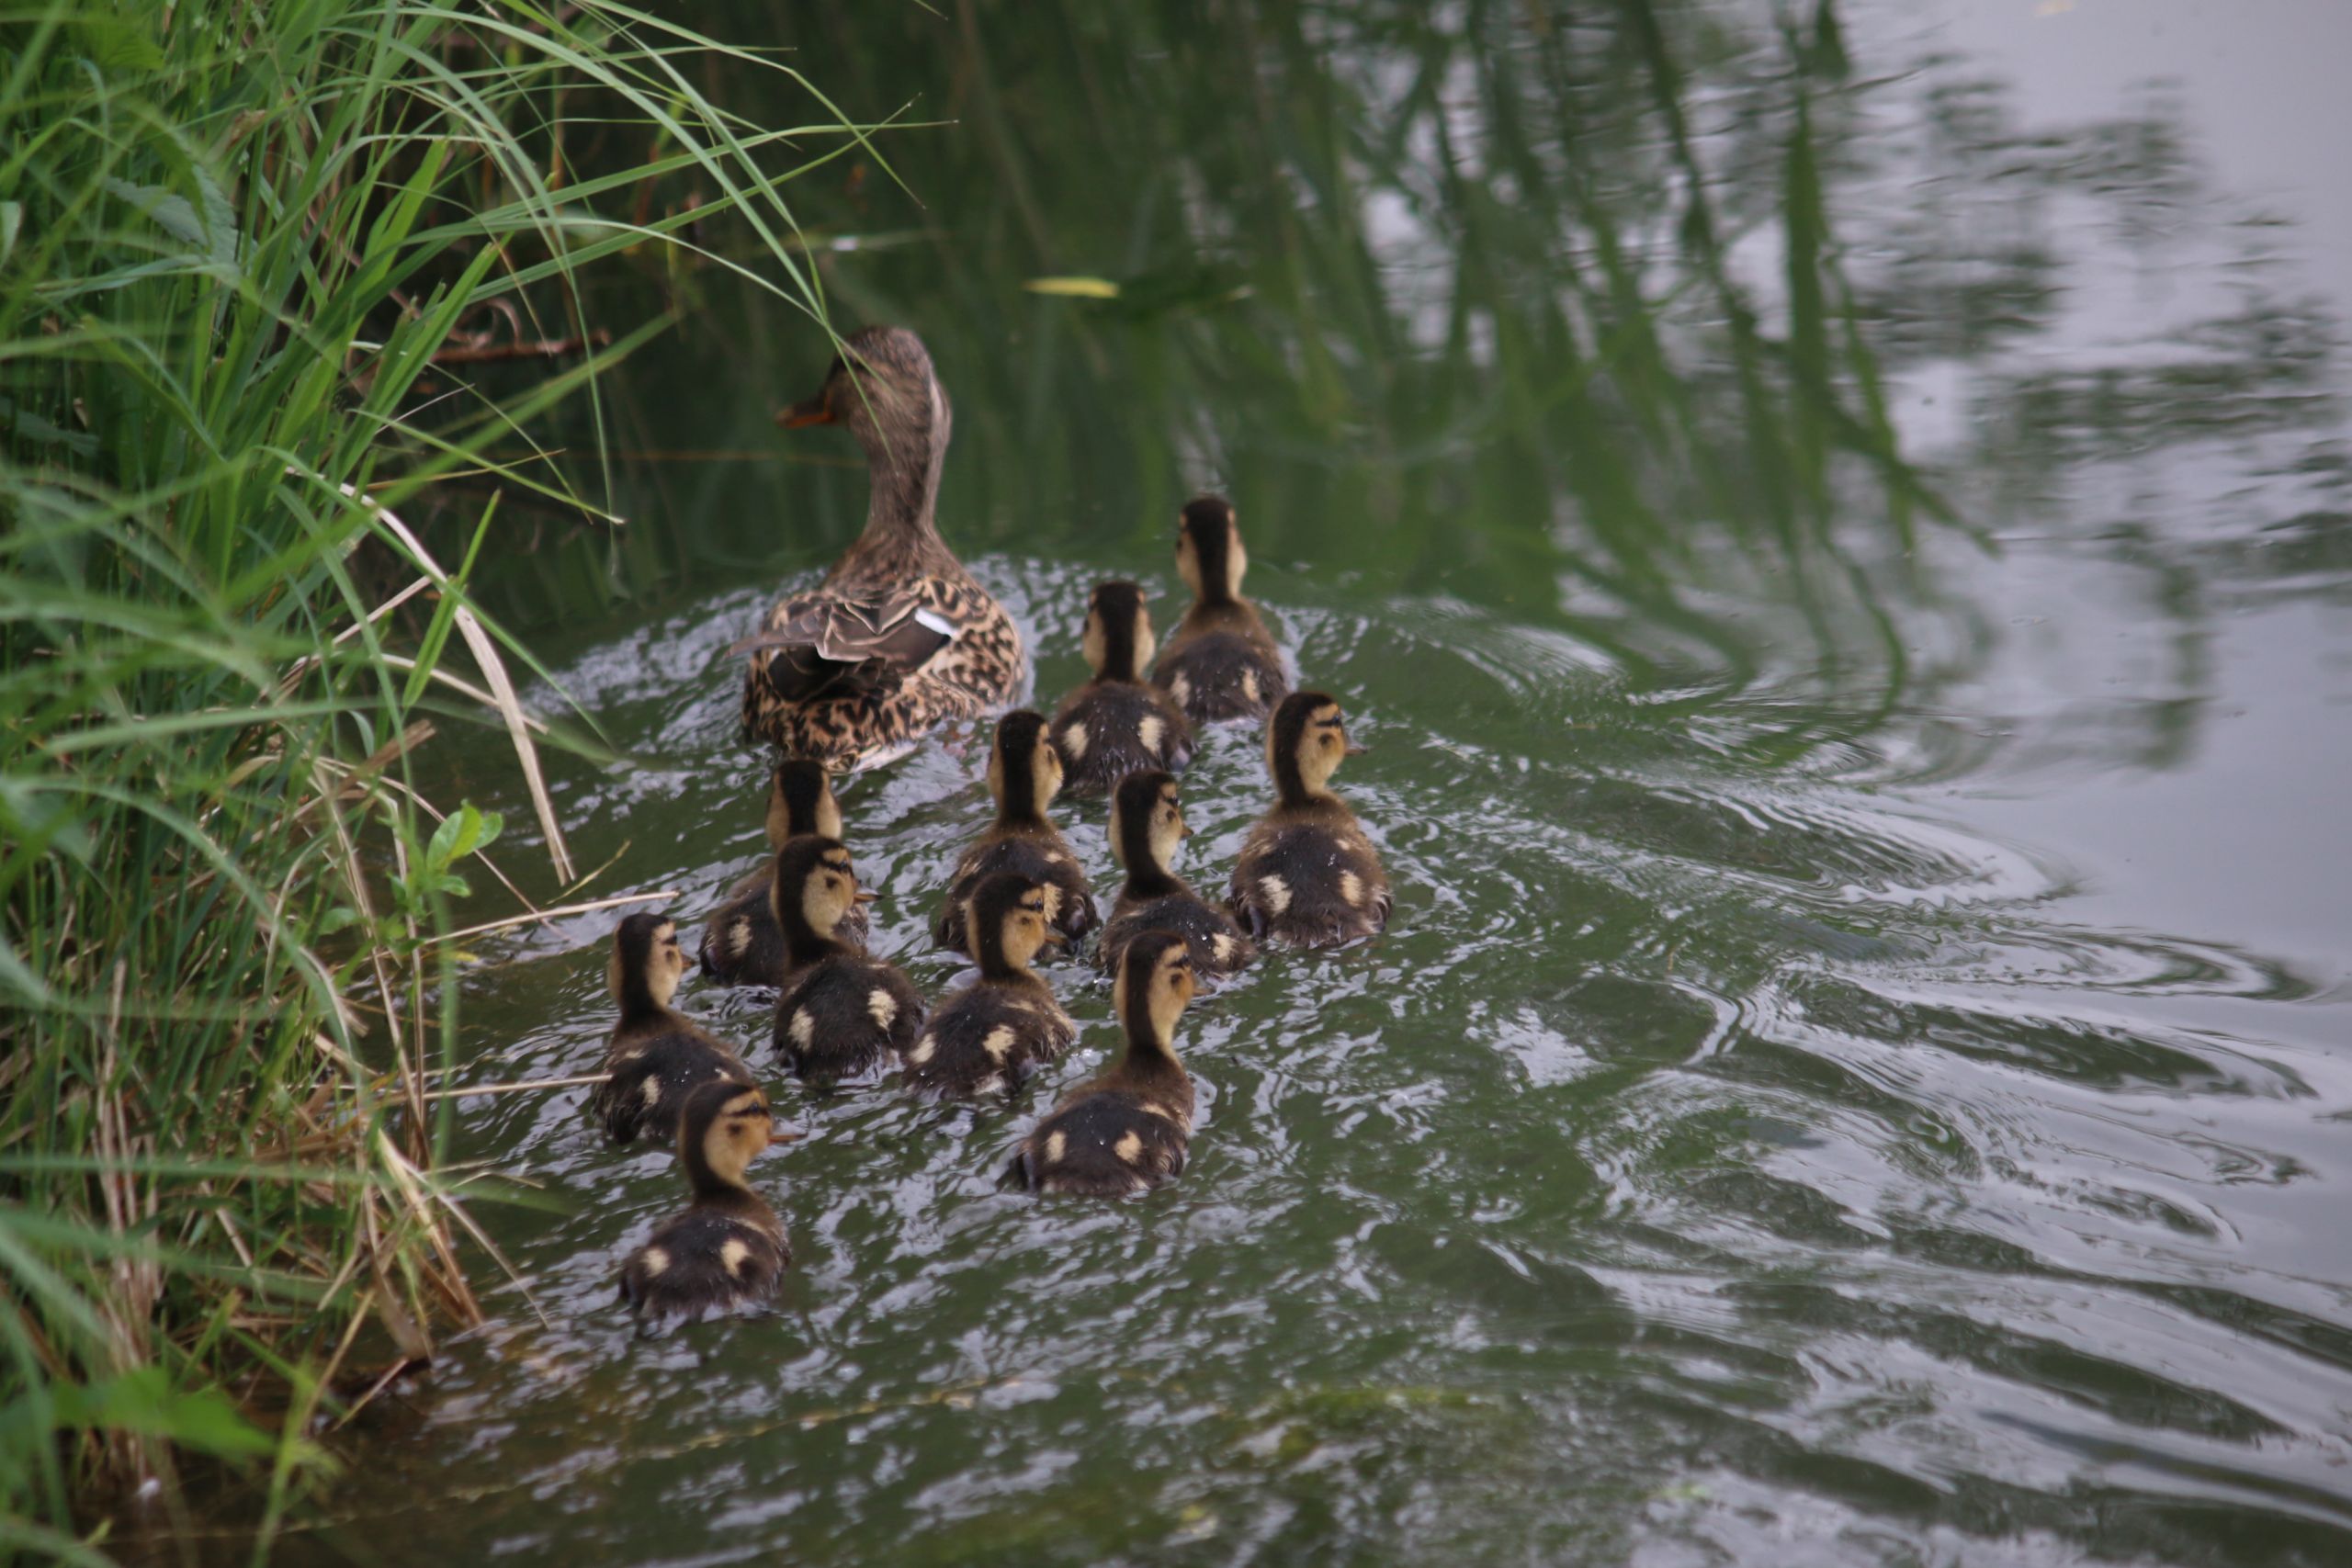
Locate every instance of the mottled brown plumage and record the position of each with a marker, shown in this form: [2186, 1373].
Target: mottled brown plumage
[1307, 875]
[741, 943]
[657, 1055]
[843, 1014]
[898, 637]
[1146, 825]
[1221, 662]
[1129, 1130]
[727, 1252]
[1024, 775]
[992, 1034]
[1114, 724]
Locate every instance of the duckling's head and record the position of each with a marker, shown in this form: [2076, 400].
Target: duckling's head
[1147, 821]
[882, 387]
[723, 1124]
[1010, 917]
[1304, 740]
[800, 800]
[1155, 983]
[1209, 552]
[1117, 641]
[815, 886]
[1024, 770]
[647, 961]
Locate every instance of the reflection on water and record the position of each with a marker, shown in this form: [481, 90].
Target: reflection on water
[1844, 589]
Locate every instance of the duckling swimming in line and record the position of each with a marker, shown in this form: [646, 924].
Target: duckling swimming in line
[741, 945]
[1307, 875]
[899, 637]
[842, 1013]
[1147, 824]
[1221, 662]
[657, 1056]
[727, 1252]
[1024, 775]
[1114, 724]
[1128, 1131]
[992, 1033]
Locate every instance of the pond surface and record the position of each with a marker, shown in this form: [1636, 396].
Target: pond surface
[1837, 541]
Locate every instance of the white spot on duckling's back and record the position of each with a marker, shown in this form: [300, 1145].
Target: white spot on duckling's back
[923, 1049]
[1351, 888]
[732, 1255]
[1054, 1146]
[999, 1044]
[1074, 739]
[739, 935]
[1249, 687]
[656, 1260]
[1275, 892]
[1150, 731]
[651, 1091]
[1180, 687]
[882, 1006]
[1129, 1148]
[804, 1027]
[1222, 945]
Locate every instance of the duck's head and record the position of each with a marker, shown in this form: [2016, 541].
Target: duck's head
[1155, 983]
[722, 1127]
[1209, 552]
[1024, 770]
[815, 887]
[1304, 741]
[882, 387]
[1146, 822]
[1117, 641]
[800, 800]
[647, 963]
[1010, 917]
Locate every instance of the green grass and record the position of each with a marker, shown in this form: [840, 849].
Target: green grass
[234, 239]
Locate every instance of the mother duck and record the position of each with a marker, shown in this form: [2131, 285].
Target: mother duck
[898, 637]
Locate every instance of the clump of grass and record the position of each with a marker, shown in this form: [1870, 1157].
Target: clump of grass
[266, 273]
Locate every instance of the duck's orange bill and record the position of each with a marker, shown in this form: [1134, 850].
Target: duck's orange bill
[867, 895]
[813, 411]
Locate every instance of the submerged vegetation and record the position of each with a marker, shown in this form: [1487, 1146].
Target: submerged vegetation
[266, 273]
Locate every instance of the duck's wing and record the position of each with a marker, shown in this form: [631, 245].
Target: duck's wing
[816, 641]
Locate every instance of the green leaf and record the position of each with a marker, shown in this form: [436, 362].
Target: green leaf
[144, 1402]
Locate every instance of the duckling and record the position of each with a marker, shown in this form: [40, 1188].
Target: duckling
[993, 1032]
[741, 946]
[1307, 874]
[842, 1013]
[1221, 662]
[727, 1252]
[1024, 775]
[657, 1056]
[1147, 824]
[1128, 1131]
[1114, 724]
[898, 637]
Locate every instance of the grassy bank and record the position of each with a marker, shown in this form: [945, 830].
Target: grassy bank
[268, 273]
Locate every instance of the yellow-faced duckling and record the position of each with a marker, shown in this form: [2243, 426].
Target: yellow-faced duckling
[899, 637]
[1024, 775]
[658, 1057]
[1147, 824]
[726, 1253]
[1307, 874]
[1221, 662]
[741, 945]
[1114, 724]
[1128, 1131]
[842, 1013]
[993, 1033]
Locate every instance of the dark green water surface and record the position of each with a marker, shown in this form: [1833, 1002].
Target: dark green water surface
[1837, 539]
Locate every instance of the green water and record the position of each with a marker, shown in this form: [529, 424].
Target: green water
[1857, 669]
